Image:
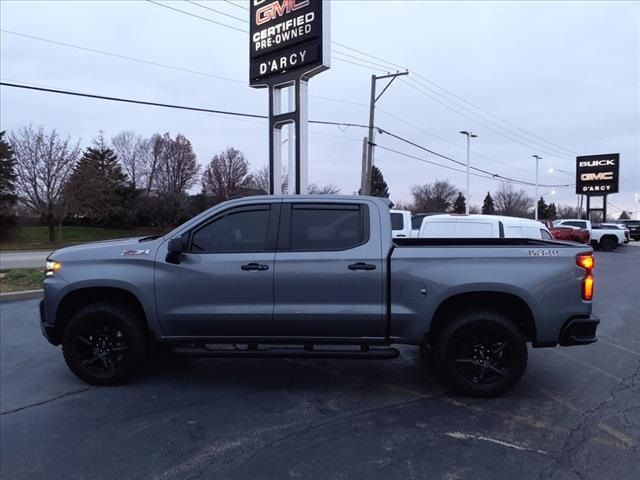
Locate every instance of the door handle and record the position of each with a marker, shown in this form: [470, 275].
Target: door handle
[254, 267]
[362, 266]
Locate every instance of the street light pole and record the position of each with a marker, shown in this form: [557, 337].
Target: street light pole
[535, 208]
[469, 136]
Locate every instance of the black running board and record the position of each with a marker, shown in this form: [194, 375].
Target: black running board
[288, 352]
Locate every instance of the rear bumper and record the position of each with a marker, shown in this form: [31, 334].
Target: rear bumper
[579, 331]
[48, 329]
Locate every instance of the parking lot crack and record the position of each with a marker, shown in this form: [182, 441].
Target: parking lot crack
[44, 402]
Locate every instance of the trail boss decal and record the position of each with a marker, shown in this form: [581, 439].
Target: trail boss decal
[544, 253]
[286, 36]
[597, 174]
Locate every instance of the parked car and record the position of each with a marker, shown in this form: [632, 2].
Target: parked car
[607, 239]
[620, 226]
[320, 277]
[481, 226]
[416, 223]
[633, 226]
[400, 223]
[568, 233]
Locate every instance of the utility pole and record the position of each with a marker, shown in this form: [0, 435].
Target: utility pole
[365, 187]
[535, 208]
[469, 136]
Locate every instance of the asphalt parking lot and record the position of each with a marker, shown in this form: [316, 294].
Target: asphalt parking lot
[575, 415]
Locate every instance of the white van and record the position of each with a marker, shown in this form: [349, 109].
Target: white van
[482, 226]
[400, 223]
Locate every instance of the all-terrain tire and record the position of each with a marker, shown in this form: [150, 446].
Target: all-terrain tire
[104, 343]
[481, 353]
[608, 244]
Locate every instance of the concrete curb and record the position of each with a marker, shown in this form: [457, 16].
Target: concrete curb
[24, 295]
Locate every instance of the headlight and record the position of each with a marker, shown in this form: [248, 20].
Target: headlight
[52, 267]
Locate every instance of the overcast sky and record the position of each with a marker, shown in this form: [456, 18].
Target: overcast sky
[566, 72]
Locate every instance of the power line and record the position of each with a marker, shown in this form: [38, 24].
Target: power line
[486, 172]
[244, 20]
[122, 57]
[251, 115]
[488, 177]
[477, 121]
[476, 153]
[489, 113]
[206, 19]
[386, 62]
[236, 5]
[166, 105]
[153, 63]
[533, 144]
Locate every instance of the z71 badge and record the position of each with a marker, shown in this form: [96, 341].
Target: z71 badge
[544, 253]
[127, 253]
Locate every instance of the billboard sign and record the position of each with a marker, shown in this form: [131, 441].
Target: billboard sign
[597, 174]
[288, 38]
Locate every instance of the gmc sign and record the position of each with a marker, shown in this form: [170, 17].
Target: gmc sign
[287, 38]
[597, 174]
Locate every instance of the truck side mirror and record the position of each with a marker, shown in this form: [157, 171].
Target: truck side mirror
[174, 250]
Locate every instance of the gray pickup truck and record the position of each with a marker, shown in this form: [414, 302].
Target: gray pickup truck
[319, 277]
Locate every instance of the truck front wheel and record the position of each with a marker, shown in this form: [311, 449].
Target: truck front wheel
[104, 343]
[481, 353]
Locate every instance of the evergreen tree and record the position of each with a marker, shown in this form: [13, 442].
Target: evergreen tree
[98, 190]
[624, 216]
[542, 208]
[460, 204]
[488, 207]
[379, 187]
[551, 213]
[8, 195]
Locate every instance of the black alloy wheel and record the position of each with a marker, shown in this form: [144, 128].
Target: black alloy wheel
[105, 343]
[482, 357]
[480, 353]
[101, 346]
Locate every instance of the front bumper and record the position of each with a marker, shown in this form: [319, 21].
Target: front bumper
[48, 329]
[579, 331]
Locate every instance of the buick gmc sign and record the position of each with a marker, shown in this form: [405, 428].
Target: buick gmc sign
[287, 37]
[597, 174]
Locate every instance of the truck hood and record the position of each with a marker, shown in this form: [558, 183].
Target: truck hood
[107, 249]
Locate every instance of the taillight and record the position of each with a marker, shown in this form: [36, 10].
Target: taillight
[588, 263]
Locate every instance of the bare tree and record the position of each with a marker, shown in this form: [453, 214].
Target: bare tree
[403, 205]
[261, 179]
[227, 172]
[44, 162]
[567, 211]
[134, 154]
[433, 197]
[511, 202]
[329, 189]
[176, 169]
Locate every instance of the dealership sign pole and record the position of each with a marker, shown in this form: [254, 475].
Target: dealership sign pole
[289, 44]
[597, 175]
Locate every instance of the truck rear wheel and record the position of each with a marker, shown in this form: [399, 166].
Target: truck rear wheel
[104, 343]
[481, 353]
[608, 243]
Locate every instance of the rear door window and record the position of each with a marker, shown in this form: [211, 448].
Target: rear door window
[326, 227]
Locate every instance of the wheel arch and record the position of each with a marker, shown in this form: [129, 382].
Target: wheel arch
[76, 299]
[508, 304]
